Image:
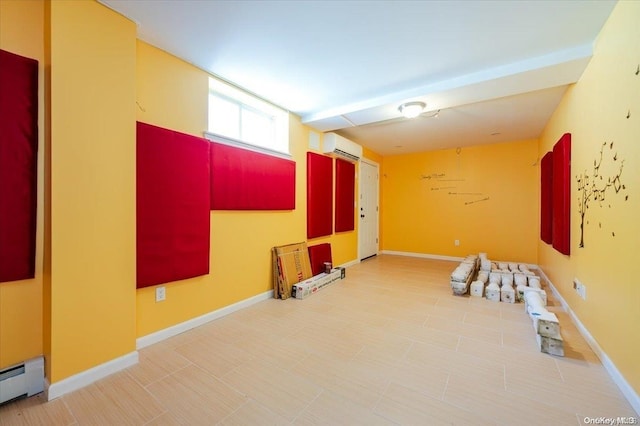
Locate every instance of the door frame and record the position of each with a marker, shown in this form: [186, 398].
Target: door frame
[377, 192]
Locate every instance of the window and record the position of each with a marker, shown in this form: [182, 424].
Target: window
[241, 117]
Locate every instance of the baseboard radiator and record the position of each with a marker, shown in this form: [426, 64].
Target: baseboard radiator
[24, 379]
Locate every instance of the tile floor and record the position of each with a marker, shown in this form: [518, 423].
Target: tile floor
[389, 345]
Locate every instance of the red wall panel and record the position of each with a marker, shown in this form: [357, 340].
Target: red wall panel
[319, 254]
[560, 227]
[248, 180]
[345, 195]
[546, 199]
[18, 165]
[173, 215]
[319, 195]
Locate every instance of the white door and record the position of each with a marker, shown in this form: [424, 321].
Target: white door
[368, 210]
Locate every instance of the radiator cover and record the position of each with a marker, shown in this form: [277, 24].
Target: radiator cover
[24, 379]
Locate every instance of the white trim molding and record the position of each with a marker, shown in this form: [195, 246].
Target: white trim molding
[85, 378]
[174, 330]
[422, 255]
[216, 138]
[350, 263]
[617, 377]
[101, 371]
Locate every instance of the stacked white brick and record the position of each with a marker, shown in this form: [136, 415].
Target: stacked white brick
[545, 324]
[463, 274]
[501, 278]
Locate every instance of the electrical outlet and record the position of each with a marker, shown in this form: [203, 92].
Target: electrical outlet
[456, 243]
[160, 294]
[580, 288]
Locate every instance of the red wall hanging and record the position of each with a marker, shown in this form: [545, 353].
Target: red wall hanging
[319, 195]
[345, 195]
[561, 217]
[246, 180]
[18, 165]
[318, 255]
[173, 216]
[546, 197]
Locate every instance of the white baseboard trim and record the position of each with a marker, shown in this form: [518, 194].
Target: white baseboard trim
[617, 377]
[422, 255]
[85, 378]
[350, 263]
[174, 330]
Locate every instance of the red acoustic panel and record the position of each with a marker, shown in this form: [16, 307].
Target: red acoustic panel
[248, 180]
[18, 165]
[546, 199]
[345, 195]
[560, 226]
[319, 195]
[319, 254]
[172, 206]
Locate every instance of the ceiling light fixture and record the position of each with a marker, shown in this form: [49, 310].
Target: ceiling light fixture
[412, 109]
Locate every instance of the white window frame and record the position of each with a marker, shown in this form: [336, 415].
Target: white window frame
[278, 143]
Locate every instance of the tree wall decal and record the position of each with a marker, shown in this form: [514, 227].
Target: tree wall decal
[594, 187]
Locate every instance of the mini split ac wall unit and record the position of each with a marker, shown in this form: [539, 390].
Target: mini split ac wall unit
[341, 147]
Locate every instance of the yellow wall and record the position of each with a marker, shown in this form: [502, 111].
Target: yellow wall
[92, 312]
[595, 111]
[371, 155]
[420, 215]
[173, 94]
[169, 92]
[21, 301]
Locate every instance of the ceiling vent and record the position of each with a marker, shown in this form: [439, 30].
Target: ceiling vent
[338, 146]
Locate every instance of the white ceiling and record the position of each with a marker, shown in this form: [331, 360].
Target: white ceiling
[496, 70]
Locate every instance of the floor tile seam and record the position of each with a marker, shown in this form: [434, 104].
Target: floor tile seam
[559, 371]
[485, 327]
[215, 349]
[446, 386]
[246, 402]
[69, 410]
[158, 416]
[269, 383]
[441, 400]
[110, 400]
[374, 410]
[303, 409]
[174, 350]
[408, 350]
[458, 343]
[472, 412]
[535, 399]
[504, 377]
[508, 350]
[221, 380]
[148, 391]
[482, 339]
[426, 320]
[224, 380]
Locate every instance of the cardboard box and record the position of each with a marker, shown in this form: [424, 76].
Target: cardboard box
[308, 287]
[291, 265]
